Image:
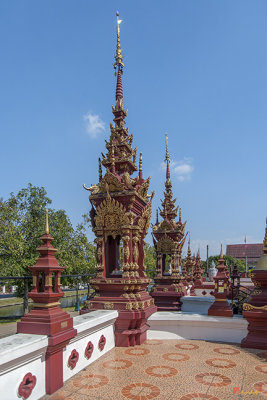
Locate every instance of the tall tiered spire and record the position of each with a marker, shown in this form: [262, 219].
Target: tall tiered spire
[124, 157]
[169, 211]
[120, 215]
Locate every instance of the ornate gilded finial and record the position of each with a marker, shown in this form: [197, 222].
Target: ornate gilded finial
[99, 169]
[189, 247]
[180, 215]
[167, 157]
[118, 56]
[46, 222]
[157, 216]
[245, 239]
[112, 159]
[141, 162]
[221, 255]
[141, 166]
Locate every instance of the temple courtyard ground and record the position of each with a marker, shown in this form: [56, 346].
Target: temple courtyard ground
[172, 370]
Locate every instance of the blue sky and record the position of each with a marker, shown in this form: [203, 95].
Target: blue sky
[194, 69]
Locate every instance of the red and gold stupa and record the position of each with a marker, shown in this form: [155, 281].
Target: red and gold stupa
[46, 316]
[220, 307]
[169, 237]
[120, 216]
[255, 310]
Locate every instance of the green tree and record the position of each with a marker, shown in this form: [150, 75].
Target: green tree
[22, 222]
[230, 261]
[150, 260]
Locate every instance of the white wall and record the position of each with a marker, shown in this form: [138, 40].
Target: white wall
[90, 327]
[19, 355]
[24, 353]
[176, 325]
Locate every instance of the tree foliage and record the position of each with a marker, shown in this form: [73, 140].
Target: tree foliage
[22, 222]
[230, 261]
[150, 260]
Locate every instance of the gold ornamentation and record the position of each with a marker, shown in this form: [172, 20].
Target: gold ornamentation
[143, 189]
[142, 305]
[111, 214]
[109, 306]
[129, 306]
[249, 307]
[165, 245]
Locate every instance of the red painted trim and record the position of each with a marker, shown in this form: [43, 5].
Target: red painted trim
[73, 359]
[89, 350]
[27, 385]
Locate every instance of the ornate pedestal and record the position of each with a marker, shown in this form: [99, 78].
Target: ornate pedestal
[167, 293]
[255, 311]
[128, 296]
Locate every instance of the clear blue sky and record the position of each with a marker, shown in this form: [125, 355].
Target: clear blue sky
[194, 69]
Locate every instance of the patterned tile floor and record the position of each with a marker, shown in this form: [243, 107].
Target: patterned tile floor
[172, 370]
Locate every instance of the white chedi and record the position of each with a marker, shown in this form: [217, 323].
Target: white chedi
[212, 272]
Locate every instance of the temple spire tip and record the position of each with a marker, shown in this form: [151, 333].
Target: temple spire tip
[46, 222]
[221, 255]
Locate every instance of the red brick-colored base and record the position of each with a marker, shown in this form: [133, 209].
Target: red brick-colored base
[257, 330]
[220, 309]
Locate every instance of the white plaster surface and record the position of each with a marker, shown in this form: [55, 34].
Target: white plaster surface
[179, 325]
[90, 327]
[20, 354]
[197, 304]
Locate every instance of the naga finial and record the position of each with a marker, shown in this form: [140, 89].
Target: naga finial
[46, 222]
[118, 56]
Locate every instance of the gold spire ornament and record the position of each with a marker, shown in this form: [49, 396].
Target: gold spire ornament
[99, 169]
[141, 162]
[221, 255]
[167, 158]
[46, 222]
[118, 56]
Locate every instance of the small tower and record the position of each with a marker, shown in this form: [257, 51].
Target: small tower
[169, 237]
[198, 272]
[255, 310]
[220, 307]
[120, 215]
[46, 316]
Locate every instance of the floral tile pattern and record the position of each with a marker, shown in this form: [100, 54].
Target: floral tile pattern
[171, 370]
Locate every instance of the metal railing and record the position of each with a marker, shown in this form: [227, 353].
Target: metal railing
[27, 279]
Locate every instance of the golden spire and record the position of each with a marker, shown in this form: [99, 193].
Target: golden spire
[112, 159]
[180, 215]
[245, 240]
[167, 158]
[46, 222]
[118, 56]
[189, 248]
[141, 162]
[141, 166]
[99, 169]
[221, 255]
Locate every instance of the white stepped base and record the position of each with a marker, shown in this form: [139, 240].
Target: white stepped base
[179, 325]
